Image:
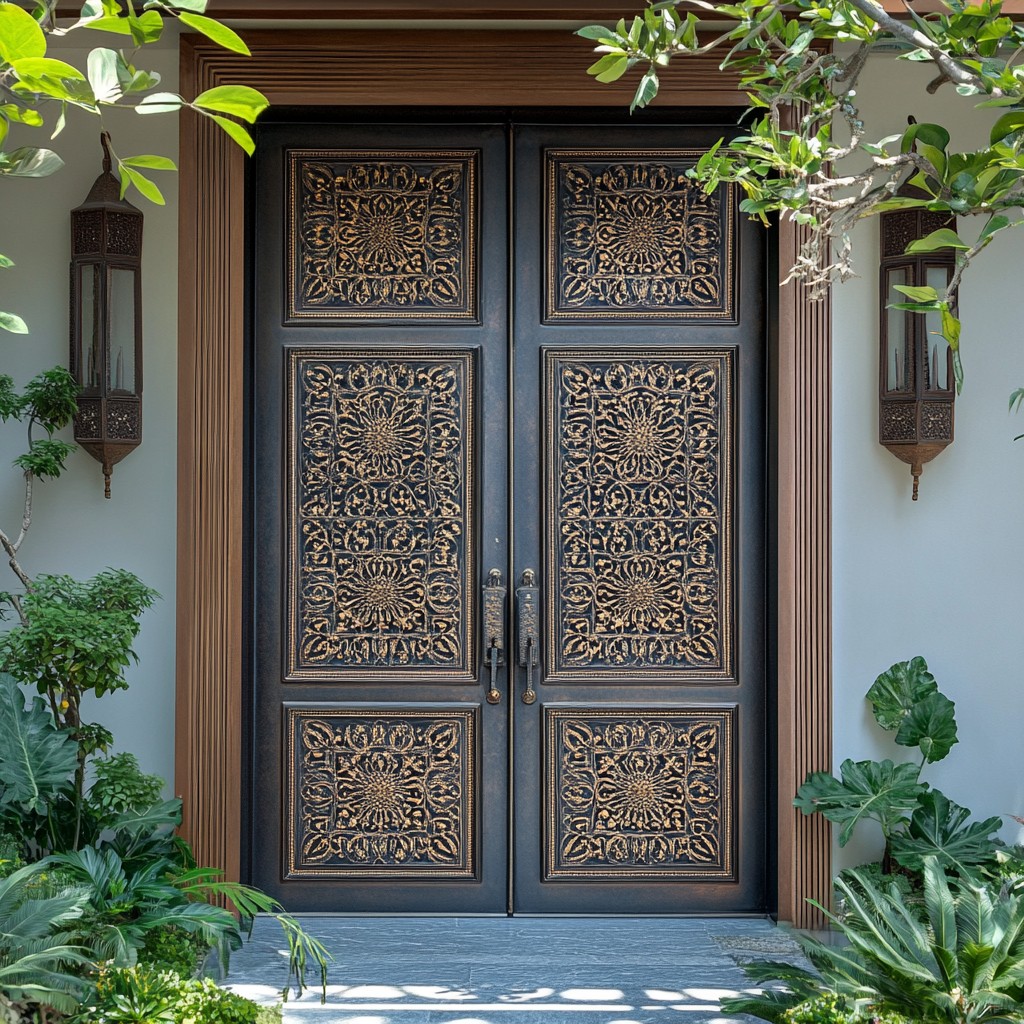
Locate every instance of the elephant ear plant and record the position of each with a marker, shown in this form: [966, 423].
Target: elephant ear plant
[917, 821]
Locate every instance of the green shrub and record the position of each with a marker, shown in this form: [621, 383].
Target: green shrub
[173, 948]
[145, 995]
[120, 786]
[832, 1008]
[202, 1002]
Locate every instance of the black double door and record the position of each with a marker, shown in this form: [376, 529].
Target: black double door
[507, 523]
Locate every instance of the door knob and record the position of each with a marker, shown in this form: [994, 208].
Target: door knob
[527, 608]
[494, 592]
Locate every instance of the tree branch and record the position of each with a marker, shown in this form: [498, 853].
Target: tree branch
[952, 69]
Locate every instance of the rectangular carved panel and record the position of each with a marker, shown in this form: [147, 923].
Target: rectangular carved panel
[630, 236]
[638, 496]
[639, 792]
[381, 515]
[381, 792]
[382, 234]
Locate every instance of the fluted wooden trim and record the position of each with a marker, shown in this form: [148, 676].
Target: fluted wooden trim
[501, 69]
[208, 735]
[804, 588]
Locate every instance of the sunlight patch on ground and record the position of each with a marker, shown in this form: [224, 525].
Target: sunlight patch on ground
[592, 995]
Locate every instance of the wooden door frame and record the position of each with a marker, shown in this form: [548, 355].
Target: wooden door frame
[490, 68]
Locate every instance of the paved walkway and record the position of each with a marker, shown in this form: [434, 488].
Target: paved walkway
[478, 970]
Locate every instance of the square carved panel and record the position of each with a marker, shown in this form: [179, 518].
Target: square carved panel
[381, 463]
[639, 792]
[639, 518]
[631, 237]
[375, 234]
[381, 792]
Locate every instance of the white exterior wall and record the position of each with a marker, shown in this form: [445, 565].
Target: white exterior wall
[75, 530]
[939, 577]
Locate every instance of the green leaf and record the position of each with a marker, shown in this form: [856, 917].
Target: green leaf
[147, 188]
[102, 67]
[21, 115]
[30, 162]
[5, 261]
[36, 759]
[645, 91]
[213, 29]
[237, 132]
[47, 67]
[938, 829]
[598, 33]
[20, 35]
[898, 689]
[45, 458]
[156, 163]
[931, 726]
[868, 791]
[159, 103]
[146, 27]
[943, 238]
[1009, 124]
[13, 323]
[994, 224]
[238, 100]
[918, 293]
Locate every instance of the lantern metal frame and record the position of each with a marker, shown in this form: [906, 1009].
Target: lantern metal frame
[106, 244]
[916, 394]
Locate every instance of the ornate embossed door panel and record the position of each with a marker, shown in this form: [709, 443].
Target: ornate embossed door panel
[579, 406]
[639, 367]
[379, 429]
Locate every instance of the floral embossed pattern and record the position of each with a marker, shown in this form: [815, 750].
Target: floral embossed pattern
[381, 565]
[383, 235]
[639, 513]
[636, 239]
[384, 795]
[639, 793]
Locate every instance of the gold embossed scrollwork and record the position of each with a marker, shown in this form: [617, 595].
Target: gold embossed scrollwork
[382, 464]
[388, 796]
[383, 234]
[647, 796]
[639, 491]
[636, 238]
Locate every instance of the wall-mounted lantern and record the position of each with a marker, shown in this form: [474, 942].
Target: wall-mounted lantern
[106, 321]
[915, 383]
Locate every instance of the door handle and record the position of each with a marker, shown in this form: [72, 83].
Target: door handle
[494, 593]
[527, 609]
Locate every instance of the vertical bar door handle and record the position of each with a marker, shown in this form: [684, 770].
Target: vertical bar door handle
[494, 592]
[528, 616]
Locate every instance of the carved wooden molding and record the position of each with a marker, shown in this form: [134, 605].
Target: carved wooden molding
[500, 69]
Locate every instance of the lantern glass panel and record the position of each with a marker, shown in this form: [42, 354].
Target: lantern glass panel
[122, 329]
[935, 346]
[897, 334]
[91, 341]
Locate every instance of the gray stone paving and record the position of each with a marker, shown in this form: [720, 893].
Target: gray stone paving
[478, 970]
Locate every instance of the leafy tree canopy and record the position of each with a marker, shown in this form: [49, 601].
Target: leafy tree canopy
[805, 150]
[35, 84]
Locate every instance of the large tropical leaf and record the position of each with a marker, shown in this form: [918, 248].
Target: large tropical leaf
[867, 791]
[38, 959]
[898, 689]
[769, 1005]
[938, 828]
[37, 760]
[931, 725]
